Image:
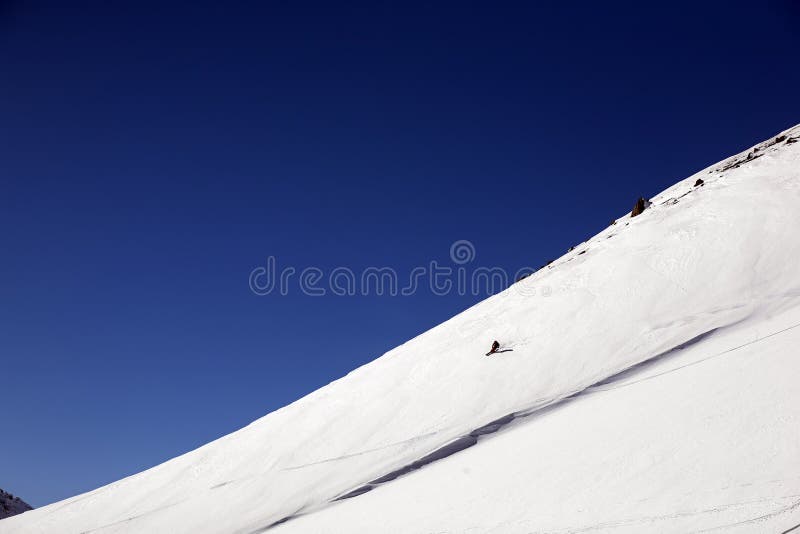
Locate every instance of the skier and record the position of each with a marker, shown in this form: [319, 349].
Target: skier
[495, 348]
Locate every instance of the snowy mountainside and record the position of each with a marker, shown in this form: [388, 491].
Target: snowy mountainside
[650, 388]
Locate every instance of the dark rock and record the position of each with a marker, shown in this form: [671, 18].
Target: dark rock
[12, 505]
[699, 182]
[640, 206]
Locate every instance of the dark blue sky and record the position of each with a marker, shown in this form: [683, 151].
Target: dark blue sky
[152, 156]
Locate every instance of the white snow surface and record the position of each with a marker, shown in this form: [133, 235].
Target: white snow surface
[653, 386]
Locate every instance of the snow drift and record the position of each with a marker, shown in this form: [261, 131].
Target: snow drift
[653, 388]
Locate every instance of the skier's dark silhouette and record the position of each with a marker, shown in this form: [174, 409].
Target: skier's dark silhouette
[495, 347]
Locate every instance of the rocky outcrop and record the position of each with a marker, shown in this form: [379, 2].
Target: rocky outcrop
[641, 205]
[11, 505]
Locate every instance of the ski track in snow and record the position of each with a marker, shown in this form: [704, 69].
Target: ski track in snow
[649, 520]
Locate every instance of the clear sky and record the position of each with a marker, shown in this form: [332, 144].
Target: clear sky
[152, 154]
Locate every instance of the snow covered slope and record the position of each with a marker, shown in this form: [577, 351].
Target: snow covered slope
[653, 388]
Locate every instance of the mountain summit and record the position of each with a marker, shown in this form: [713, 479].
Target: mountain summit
[652, 386]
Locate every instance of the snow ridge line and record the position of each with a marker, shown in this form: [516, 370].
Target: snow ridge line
[690, 364]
